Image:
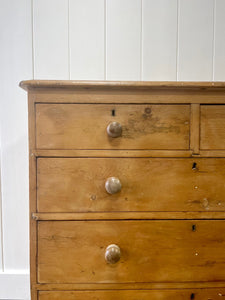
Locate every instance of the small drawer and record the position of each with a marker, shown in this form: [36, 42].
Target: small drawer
[212, 127]
[130, 184]
[97, 126]
[172, 294]
[130, 251]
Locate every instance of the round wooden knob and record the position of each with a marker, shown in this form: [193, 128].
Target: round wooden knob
[112, 254]
[114, 129]
[113, 185]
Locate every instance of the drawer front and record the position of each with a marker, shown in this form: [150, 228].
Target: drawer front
[148, 184]
[151, 251]
[181, 294]
[212, 127]
[84, 126]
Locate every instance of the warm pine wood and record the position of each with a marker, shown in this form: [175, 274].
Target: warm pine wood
[212, 153]
[128, 286]
[195, 128]
[77, 126]
[128, 96]
[32, 197]
[127, 153]
[119, 153]
[198, 294]
[73, 219]
[129, 216]
[151, 251]
[157, 184]
[73, 84]
[213, 127]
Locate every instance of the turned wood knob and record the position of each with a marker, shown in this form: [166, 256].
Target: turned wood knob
[112, 254]
[113, 185]
[114, 129]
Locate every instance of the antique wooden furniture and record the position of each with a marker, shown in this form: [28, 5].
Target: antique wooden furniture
[127, 190]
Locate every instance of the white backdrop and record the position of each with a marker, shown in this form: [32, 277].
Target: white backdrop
[88, 39]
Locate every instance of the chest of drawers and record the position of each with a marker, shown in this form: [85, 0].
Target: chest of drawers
[127, 190]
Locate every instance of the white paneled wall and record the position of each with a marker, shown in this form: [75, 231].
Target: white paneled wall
[195, 39]
[123, 39]
[88, 39]
[50, 39]
[159, 40]
[219, 41]
[1, 254]
[15, 64]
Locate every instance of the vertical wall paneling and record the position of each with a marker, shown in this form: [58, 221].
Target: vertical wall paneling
[50, 30]
[195, 58]
[16, 65]
[1, 238]
[123, 39]
[86, 32]
[159, 39]
[87, 39]
[219, 63]
[14, 286]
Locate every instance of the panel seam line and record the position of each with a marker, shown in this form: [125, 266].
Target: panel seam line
[32, 37]
[105, 40]
[141, 43]
[177, 41]
[68, 37]
[214, 41]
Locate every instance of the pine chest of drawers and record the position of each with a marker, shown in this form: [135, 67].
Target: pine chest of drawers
[127, 190]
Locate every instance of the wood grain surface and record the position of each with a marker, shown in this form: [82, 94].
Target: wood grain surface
[195, 128]
[75, 126]
[66, 84]
[151, 251]
[197, 294]
[212, 127]
[32, 196]
[130, 216]
[148, 184]
[168, 219]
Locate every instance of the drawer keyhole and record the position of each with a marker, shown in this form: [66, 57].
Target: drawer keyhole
[194, 166]
[192, 296]
[193, 227]
[113, 112]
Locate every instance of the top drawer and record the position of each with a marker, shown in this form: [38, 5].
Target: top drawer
[84, 126]
[212, 127]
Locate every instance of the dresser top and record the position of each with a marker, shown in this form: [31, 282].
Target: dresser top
[78, 84]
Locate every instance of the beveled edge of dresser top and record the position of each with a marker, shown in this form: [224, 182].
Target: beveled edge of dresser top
[125, 92]
[76, 84]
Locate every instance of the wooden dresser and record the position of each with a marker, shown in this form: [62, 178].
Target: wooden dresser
[127, 190]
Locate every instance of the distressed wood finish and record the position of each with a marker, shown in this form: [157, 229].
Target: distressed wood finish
[76, 84]
[130, 216]
[197, 294]
[213, 127]
[194, 132]
[127, 153]
[121, 153]
[74, 126]
[129, 286]
[151, 251]
[168, 219]
[32, 197]
[157, 184]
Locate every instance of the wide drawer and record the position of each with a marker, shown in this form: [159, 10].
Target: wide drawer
[151, 251]
[181, 294]
[148, 184]
[84, 126]
[212, 127]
